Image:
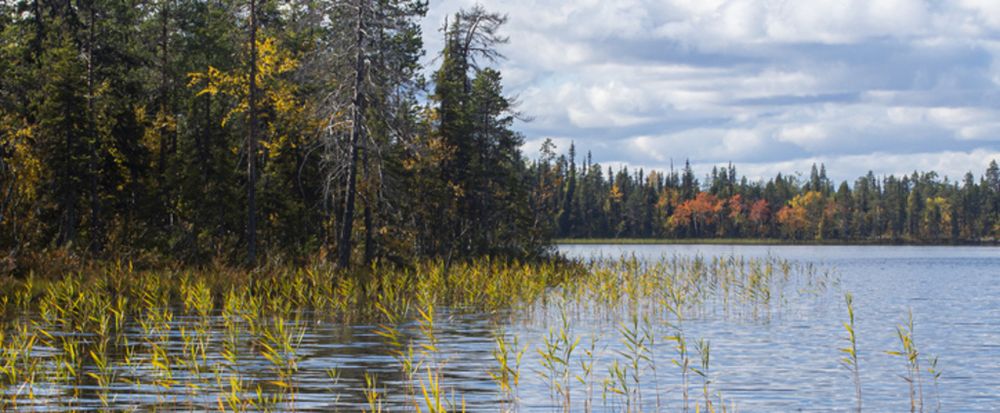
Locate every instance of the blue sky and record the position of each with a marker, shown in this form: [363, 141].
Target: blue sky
[770, 85]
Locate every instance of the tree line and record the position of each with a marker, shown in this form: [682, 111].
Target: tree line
[589, 201]
[248, 130]
[254, 129]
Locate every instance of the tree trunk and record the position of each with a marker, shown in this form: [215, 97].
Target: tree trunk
[162, 164]
[252, 143]
[95, 203]
[369, 240]
[357, 129]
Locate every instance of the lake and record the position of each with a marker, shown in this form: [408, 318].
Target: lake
[773, 339]
[790, 362]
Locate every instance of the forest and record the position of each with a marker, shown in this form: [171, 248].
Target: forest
[238, 130]
[922, 207]
[260, 130]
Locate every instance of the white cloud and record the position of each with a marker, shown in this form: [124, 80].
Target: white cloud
[771, 84]
[803, 135]
[952, 164]
[737, 143]
[986, 12]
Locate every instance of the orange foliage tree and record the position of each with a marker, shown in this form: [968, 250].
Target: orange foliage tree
[698, 216]
[760, 217]
[736, 216]
[805, 216]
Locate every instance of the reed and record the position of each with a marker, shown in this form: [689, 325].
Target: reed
[400, 347]
[278, 344]
[683, 361]
[373, 394]
[649, 336]
[556, 360]
[705, 352]
[103, 372]
[586, 375]
[636, 353]
[909, 353]
[233, 337]
[617, 385]
[935, 373]
[507, 372]
[850, 359]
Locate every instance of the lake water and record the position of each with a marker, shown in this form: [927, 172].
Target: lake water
[790, 362]
[781, 357]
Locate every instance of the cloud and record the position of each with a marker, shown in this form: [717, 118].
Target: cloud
[803, 135]
[768, 84]
[951, 164]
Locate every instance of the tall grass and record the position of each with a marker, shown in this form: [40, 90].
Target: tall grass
[909, 353]
[230, 340]
[850, 359]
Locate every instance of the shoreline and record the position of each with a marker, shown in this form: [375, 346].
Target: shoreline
[762, 241]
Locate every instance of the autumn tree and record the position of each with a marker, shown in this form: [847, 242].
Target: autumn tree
[697, 217]
[802, 218]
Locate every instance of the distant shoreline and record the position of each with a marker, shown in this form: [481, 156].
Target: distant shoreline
[756, 241]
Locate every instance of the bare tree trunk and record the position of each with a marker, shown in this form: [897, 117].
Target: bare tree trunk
[357, 129]
[252, 143]
[369, 240]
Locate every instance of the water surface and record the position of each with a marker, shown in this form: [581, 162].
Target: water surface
[790, 362]
[779, 357]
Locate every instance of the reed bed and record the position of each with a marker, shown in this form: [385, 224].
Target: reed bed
[230, 340]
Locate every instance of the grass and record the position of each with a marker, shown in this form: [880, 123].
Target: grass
[230, 340]
[850, 359]
[507, 372]
[908, 352]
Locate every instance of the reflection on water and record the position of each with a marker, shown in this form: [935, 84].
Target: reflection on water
[773, 342]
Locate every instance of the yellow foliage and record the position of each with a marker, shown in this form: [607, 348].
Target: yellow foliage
[809, 200]
[25, 168]
[616, 194]
[275, 92]
[941, 204]
[804, 215]
[937, 215]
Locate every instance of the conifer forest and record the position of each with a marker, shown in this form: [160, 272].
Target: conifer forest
[197, 130]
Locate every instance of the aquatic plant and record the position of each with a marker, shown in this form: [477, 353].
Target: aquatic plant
[556, 358]
[682, 361]
[228, 339]
[394, 338]
[278, 344]
[373, 394]
[935, 373]
[850, 359]
[911, 355]
[635, 352]
[705, 352]
[585, 377]
[507, 372]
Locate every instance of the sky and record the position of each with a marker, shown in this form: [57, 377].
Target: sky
[890, 86]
